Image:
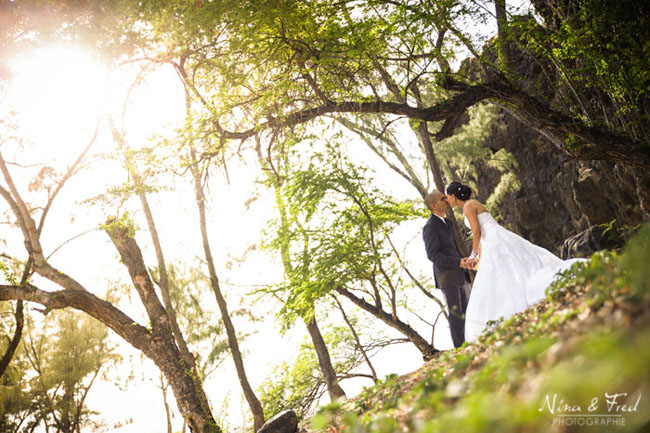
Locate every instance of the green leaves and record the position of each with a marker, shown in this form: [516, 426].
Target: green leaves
[124, 222]
[599, 51]
[55, 367]
[299, 384]
[334, 231]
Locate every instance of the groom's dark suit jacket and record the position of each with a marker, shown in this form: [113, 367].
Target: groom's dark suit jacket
[443, 252]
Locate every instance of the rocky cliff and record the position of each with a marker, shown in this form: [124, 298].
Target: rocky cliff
[559, 197]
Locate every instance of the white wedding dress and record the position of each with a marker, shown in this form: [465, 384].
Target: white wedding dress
[512, 275]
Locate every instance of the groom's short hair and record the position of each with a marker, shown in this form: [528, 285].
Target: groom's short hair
[431, 198]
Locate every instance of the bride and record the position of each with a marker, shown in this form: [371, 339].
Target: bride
[513, 273]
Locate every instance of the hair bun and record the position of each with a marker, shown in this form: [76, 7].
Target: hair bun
[459, 190]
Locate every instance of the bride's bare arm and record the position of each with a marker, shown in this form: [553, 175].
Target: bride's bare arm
[470, 210]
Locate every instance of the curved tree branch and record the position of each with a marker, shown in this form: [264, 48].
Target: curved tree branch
[580, 141]
[441, 111]
[423, 346]
[85, 301]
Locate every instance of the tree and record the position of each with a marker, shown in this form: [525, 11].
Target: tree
[286, 63]
[140, 189]
[205, 332]
[297, 276]
[336, 236]
[158, 342]
[259, 68]
[19, 317]
[199, 171]
[57, 364]
[299, 385]
[163, 279]
[16, 404]
[67, 365]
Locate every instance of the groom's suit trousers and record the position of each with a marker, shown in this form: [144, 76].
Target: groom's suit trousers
[442, 250]
[457, 298]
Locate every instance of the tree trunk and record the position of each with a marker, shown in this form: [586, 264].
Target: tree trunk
[425, 140]
[324, 361]
[163, 388]
[424, 137]
[251, 398]
[18, 208]
[157, 343]
[155, 239]
[15, 340]
[503, 43]
[190, 396]
[423, 346]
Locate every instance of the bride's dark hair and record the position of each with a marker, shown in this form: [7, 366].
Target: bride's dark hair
[459, 190]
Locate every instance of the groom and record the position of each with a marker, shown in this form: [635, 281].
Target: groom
[448, 266]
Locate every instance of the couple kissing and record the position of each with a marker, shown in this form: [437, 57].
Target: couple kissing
[512, 273]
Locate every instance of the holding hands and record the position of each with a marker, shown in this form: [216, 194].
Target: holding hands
[470, 262]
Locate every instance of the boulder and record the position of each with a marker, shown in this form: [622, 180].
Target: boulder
[284, 422]
[587, 242]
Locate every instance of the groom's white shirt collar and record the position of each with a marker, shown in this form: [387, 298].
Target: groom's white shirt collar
[442, 218]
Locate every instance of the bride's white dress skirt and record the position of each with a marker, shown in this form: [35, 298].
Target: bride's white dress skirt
[513, 274]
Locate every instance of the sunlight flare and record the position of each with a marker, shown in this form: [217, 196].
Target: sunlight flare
[58, 93]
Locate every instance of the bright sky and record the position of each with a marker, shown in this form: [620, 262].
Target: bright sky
[58, 94]
[54, 88]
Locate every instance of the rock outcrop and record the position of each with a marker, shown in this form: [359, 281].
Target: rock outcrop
[284, 422]
[589, 241]
[558, 196]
